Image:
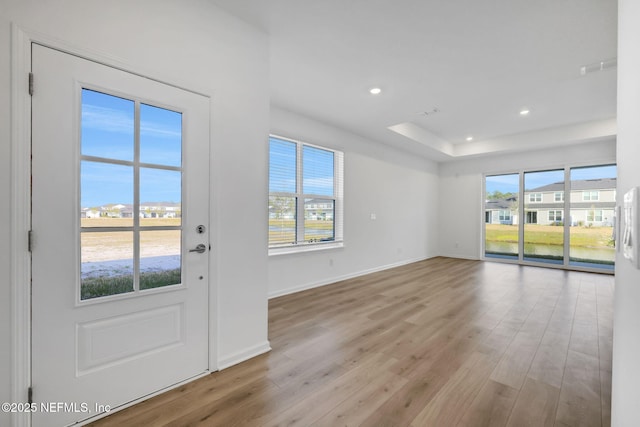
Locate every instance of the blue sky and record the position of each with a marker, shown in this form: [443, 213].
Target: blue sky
[502, 183]
[317, 167]
[282, 166]
[108, 131]
[510, 183]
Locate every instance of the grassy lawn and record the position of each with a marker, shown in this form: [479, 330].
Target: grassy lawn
[589, 237]
[103, 286]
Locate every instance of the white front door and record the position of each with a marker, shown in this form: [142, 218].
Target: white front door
[120, 202]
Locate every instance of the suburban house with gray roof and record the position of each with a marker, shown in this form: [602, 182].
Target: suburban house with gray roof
[501, 211]
[592, 203]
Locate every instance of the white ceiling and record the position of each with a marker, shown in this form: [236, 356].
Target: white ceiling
[477, 62]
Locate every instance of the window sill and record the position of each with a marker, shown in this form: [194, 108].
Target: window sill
[312, 247]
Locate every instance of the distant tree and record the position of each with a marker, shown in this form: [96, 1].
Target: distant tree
[499, 195]
[281, 205]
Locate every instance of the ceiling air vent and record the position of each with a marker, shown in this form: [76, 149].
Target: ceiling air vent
[598, 66]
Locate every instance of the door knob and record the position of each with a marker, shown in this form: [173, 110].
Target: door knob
[201, 248]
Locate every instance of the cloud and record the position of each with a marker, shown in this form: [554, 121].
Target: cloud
[159, 130]
[114, 120]
[106, 119]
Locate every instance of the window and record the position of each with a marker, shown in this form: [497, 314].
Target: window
[504, 216]
[594, 215]
[535, 197]
[305, 194]
[555, 216]
[538, 229]
[130, 196]
[590, 195]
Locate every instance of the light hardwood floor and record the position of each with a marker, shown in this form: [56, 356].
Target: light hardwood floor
[442, 342]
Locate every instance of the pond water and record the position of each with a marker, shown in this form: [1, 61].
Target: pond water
[579, 254]
[292, 230]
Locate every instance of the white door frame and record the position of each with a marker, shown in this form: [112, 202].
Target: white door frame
[20, 261]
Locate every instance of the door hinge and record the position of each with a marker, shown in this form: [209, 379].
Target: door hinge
[30, 240]
[30, 395]
[31, 84]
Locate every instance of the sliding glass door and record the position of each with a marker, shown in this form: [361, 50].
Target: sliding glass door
[544, 209]
[501, 216]
[567, 216]
[593, 204]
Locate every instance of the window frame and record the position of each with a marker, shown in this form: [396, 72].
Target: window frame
[591, 196]
[535, 199]
[505, 215]
[594, 215]
[552, 215]
[300, 244]
[558, 196]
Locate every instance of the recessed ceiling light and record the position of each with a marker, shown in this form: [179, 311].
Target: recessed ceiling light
[469, 138]
[375, 91]
[524, 112]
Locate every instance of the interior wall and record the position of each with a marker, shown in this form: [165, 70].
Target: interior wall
[399, 188]
[626, 343]
[461, 186]
[191, 44]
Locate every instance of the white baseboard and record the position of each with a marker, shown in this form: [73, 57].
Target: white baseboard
[335, 279]
[240, 356]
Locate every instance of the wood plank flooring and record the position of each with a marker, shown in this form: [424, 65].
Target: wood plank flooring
[441, 342]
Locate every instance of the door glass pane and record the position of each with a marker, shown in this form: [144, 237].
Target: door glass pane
[501, 216]
[106, 198]
[282, 166]
[107, 126]
[160, 196]
[160, 136]
[160, 250]
[318, 220]
[544, 216]
[282, 220]
[160, 258]
[317, 171]
[106, 263]
[593, 204]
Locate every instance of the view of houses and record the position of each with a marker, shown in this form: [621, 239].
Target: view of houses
[592, 203]
[147, 210]
[314, 209]
[318, 209]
